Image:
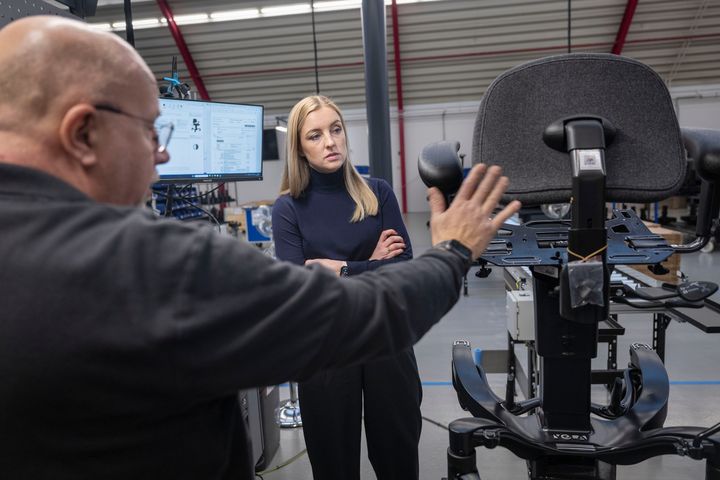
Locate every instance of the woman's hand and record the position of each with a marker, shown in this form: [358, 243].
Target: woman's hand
[334, 265]
[389, 245]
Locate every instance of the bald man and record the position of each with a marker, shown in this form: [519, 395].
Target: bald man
[124, 337]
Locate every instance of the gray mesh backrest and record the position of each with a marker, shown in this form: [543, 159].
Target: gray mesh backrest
[645, 162]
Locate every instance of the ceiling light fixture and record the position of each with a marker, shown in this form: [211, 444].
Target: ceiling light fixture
[334, 5]
[235, 15]
[292, 9]
[138, 24]
[104, 27]
[191, 19]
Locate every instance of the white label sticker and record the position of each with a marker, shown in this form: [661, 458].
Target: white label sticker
[590, 160]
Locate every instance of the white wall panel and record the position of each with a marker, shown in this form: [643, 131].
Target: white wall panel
[699, 112]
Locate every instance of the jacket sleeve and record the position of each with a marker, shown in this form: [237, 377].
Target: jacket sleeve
[286, 232]
[245, 320]
[391, 218]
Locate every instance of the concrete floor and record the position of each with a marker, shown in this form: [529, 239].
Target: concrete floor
[692, 360]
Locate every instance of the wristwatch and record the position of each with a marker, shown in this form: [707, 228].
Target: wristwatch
[344, 271]
[458, 249]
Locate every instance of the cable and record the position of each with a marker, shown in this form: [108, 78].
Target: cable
[284, 464]
[568, 28]
[589, 256]
[204, 194]
[435, 422]
[304, 451]
[207, 212]
[190, 204]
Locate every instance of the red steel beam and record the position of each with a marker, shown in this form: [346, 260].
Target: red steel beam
[624, 27]
[184, 50]
[400, 103]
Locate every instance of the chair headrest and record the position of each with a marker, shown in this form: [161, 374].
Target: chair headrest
[645, 161]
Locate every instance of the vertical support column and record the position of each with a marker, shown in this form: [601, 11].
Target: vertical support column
[129, 29]
[376, 88]
[532, 373]
[661, 322]
[612, 359]
[511, 374]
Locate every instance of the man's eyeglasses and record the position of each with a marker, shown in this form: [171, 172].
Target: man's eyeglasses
[161, 133]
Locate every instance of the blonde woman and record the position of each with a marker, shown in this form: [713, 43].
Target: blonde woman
[329, 215]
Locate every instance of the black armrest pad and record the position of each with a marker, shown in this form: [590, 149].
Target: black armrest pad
[703, 146]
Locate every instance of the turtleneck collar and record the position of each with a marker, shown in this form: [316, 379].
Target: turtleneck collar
[327, 181]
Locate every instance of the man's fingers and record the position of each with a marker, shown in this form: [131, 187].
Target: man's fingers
[496, 194]
[471, 182]
[507, 212]
[489, 181]
[436, 200]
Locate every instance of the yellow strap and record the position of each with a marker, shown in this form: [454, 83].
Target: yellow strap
[585, 259]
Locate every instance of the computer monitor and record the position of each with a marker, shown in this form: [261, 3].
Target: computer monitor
[270, 145]
[212, 142]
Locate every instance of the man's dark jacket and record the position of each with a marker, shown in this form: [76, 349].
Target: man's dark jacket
[124, 338]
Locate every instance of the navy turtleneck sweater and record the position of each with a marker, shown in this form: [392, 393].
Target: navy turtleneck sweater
[317, 224]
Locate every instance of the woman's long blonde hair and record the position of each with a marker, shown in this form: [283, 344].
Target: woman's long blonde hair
[296, 175]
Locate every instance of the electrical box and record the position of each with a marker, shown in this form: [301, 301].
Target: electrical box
[258, 222]
[521, 315]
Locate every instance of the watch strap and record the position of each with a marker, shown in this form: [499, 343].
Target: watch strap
[458, 249]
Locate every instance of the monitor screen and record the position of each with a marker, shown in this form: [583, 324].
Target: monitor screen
[212, 142]
[270, 145]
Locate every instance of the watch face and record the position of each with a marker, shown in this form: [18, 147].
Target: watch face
[462, 248]
[344, 271]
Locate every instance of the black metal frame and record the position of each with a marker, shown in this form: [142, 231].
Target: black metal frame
[561, 439]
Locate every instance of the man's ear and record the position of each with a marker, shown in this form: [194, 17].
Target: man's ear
[79, 135]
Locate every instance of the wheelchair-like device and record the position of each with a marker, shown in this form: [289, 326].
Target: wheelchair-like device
[585, 129]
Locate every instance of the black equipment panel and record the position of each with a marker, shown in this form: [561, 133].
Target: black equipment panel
[706, 319]
[542, 242]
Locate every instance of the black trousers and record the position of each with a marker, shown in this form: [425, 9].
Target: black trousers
[331, 404]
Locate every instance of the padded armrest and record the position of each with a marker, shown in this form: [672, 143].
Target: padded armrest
[439, 166]
[703, 146]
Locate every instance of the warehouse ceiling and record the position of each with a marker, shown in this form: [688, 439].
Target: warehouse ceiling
[450, 50]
